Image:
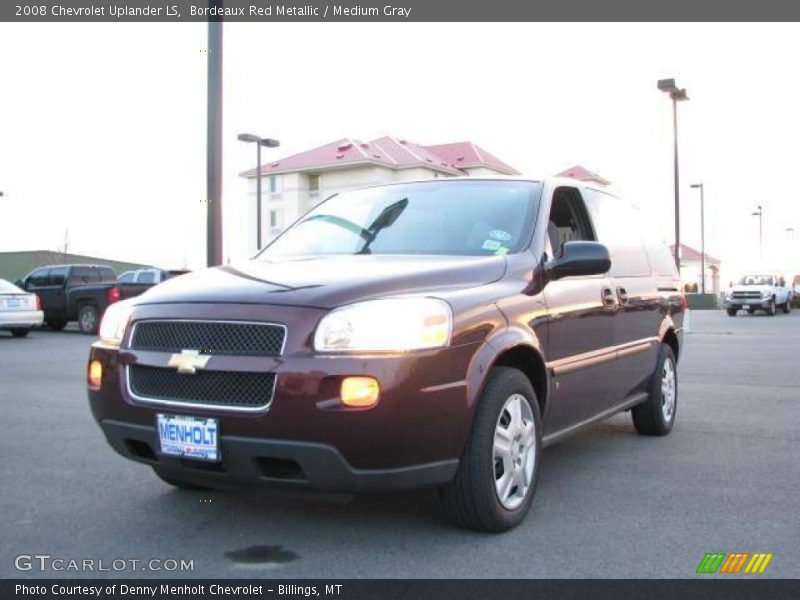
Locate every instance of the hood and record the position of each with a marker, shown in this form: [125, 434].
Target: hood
[327, 281]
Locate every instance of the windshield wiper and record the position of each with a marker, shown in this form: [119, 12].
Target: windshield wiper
[385, 219]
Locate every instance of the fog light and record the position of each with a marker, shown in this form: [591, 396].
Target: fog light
[359, 392]
[95, 375]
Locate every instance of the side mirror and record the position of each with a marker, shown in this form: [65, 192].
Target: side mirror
[579, 258]
[20, 284]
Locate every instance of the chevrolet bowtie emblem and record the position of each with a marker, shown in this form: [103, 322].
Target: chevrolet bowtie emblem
[188, 361]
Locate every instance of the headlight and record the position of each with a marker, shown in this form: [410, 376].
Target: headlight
[394, 324]
[114, 322]
[766, 294]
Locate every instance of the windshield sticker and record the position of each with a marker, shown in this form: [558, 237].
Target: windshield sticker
[499, 234]
[502, 250]
[490, 245]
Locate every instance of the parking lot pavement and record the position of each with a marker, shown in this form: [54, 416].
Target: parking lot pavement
[609, 503]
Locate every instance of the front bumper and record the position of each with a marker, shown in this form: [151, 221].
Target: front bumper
[247, 460]
[412, 437]
[741, 303]
[22, 319]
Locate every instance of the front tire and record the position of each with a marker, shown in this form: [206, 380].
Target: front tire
[787, 306]
[656, 416]
[771, 308]
[496, 479]
[731, 312]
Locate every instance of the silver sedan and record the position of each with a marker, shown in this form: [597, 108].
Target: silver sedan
[19, 310]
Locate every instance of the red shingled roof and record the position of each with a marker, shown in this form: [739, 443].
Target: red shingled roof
[390, 152]
[583, 174]
[688, 253]
[467, 154]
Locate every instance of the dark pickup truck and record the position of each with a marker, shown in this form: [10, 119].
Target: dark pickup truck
[77, 293]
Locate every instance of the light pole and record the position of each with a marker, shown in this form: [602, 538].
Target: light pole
[214, 144]
[269, 143]
[759, 213]
[678, 95]
[702, 237]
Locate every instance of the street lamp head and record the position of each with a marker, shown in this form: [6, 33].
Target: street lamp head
[247, 137]
[667, 85]
[696, 185]
[679, 96]
[269, 143]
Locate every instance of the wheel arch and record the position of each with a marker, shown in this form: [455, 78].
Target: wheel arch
[670, 338]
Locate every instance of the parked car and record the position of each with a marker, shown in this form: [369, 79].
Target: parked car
[83, 292]
[73, 293]
[19, 311]
[149, 277]
[759, 292]
[436, 333]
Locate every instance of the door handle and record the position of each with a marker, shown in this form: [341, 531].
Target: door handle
[623, 296]
[609, 299]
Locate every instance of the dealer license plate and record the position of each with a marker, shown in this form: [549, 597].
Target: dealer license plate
[189, 437]
[746, 306]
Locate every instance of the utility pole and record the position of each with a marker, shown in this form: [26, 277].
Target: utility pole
[677, 94]
[214, 144]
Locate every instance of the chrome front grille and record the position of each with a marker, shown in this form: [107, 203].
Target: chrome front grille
[229, 389]
[208, 386]
[233, 338]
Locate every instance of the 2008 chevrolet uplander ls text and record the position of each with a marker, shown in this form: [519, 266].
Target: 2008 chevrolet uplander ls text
[435, 333]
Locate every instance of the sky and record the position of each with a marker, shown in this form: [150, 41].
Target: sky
[102, 126]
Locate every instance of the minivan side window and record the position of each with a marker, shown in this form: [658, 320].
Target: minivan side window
[568, 221]
[127, 277]
[619, 227]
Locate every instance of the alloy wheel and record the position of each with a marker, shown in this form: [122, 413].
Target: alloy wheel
[514, 451]
[668, 389]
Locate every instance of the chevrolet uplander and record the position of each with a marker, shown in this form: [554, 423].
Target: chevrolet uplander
[436, 333]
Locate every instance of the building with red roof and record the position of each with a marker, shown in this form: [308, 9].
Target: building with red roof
[691, 269]
[295, 184]
[583, 174]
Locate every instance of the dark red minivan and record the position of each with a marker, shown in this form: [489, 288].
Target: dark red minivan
[435, 333]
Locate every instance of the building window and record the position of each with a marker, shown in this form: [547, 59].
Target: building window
[313, 183]
[276, 219]
[273, 184]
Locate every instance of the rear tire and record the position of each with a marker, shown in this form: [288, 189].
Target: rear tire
[501, 459]
[88, 319]
[20, 333]
[179, 483]
[656, 416]
[731, 312]
[56, 324]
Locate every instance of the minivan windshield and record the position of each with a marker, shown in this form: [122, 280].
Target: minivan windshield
[468, 218]
[756, 280]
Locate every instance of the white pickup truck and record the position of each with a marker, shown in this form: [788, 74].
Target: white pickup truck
[759, 292]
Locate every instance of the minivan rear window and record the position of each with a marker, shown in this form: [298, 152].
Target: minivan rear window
[469, 218]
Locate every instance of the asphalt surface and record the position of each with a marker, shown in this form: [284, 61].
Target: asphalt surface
[609, 503]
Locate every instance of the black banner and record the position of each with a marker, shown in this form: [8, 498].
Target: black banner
[445, 589]
[395, 10]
